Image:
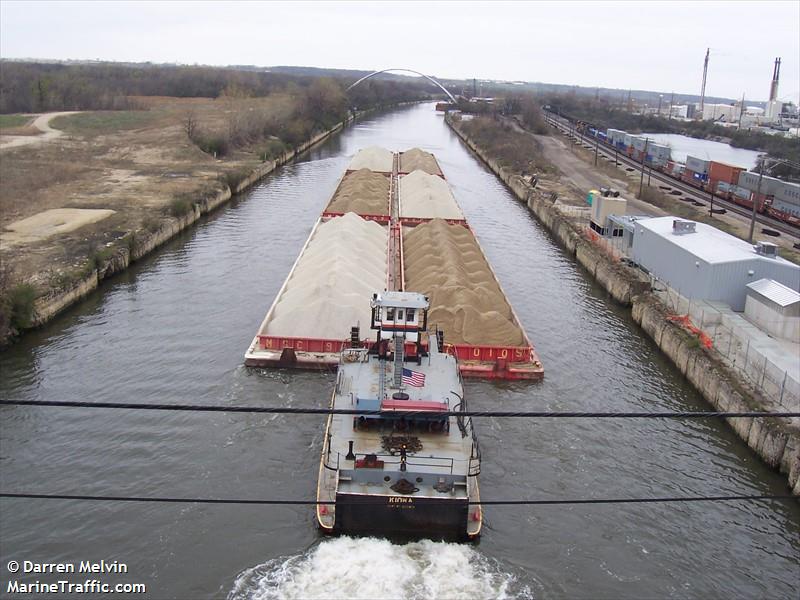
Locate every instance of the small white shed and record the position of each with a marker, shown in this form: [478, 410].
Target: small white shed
[774, 308]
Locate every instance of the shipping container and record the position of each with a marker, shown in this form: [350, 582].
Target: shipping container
[627, 140]
[694, 178]
[658, 154]
[675, 169]
[750, 180]
[787, 199]
[718, 171]
[640, 143]
[697, 165]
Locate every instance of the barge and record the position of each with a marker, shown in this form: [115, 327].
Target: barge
[393, 224]
[407, 466]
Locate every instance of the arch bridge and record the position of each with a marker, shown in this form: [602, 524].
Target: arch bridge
[431, 79]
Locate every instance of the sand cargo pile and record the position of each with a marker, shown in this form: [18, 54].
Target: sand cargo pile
[342, 263]
[388, 228]
[373, 158]
[363, 192]
[445, 263]
[419, 160]
[425, 196]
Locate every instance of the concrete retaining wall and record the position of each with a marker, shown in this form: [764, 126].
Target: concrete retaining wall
[776, 441]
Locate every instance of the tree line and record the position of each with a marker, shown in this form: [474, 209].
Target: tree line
[37, 87]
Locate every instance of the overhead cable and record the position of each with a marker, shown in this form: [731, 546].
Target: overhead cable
[291, 410]
[381, 500]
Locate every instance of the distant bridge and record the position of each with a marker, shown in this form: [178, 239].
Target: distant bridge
[431, 79]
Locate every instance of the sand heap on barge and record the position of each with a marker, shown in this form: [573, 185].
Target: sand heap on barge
[393, 224]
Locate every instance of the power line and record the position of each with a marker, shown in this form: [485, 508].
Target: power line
[289, 410]
[381, 500]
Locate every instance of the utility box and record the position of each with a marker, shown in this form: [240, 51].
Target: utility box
[602, 208]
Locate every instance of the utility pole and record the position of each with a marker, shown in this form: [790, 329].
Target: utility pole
[671, 102]
[596, 143]
[660, 96]
[641, 181]
[755, 200]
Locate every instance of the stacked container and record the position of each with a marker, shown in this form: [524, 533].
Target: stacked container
[696, 171]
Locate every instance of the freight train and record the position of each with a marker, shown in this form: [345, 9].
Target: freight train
[777, 198]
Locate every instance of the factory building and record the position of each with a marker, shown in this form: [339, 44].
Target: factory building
[703, 263]
[727, 113]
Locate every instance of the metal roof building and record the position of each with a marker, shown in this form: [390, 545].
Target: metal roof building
[701, 262]
[775, 308]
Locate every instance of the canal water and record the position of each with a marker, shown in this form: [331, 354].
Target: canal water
[174, 329]
[682, 145]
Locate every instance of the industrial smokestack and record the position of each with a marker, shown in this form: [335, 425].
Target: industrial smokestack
[776, 75]
[703, 87]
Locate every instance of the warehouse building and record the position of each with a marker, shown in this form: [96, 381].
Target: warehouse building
[703, 263]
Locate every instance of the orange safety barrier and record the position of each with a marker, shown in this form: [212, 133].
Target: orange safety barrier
[686, 323]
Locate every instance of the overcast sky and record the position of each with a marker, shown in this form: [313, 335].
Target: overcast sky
[640, 45]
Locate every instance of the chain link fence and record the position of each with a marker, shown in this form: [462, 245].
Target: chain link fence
[736, 341]
[733, 338]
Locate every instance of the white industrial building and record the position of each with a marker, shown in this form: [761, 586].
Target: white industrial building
[774, 308]
[728, 113]
[703, 263]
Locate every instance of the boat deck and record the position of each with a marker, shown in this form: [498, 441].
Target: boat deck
[441, 460]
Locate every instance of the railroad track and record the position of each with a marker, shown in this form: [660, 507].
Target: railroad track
[685, 189]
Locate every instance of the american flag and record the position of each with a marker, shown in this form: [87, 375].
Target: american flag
[413, 378]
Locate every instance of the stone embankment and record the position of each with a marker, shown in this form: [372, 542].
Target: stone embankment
[141, 243]
[776, 441]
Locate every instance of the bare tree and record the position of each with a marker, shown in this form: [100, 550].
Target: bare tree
[190, 124]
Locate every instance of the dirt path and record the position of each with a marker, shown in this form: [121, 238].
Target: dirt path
[585, 176]
[42, 123]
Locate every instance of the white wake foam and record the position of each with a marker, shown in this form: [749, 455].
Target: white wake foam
[370, 568]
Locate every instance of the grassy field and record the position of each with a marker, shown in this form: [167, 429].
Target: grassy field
[11, 121]
[104, 122]
[139, 164]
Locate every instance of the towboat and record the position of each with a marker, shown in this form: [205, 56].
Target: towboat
[409, 464]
